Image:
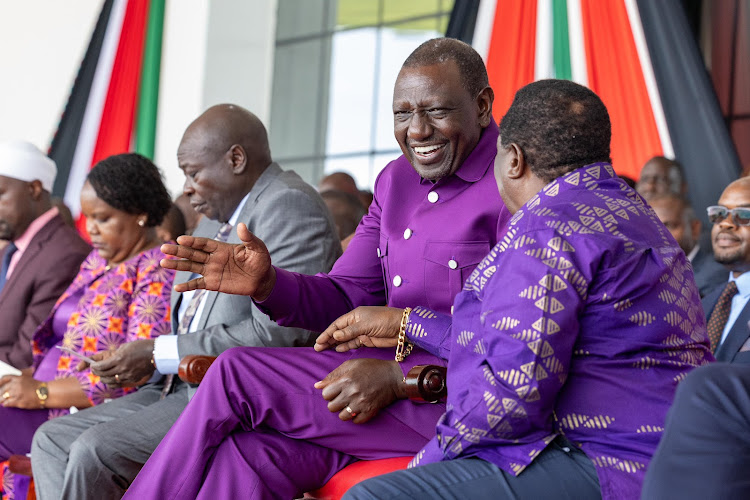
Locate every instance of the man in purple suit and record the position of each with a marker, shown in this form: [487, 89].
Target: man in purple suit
[43, 255]
[435, 215]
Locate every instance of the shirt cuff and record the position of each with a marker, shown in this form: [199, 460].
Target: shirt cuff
[283, 298]
[430, 331]
[166, 356]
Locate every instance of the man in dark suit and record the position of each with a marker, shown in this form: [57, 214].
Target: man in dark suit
[705, 449]
[679, 217]
[43, 255]
[230, 178]
[726, 307]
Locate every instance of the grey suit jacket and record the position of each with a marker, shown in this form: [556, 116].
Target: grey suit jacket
[294, 223]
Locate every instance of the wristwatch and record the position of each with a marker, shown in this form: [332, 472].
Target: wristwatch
[42, 392]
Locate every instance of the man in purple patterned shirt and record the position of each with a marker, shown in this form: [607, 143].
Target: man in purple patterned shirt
[569, 338]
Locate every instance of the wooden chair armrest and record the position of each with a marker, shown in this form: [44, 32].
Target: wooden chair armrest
[426, 383]
[193, 367]
[20, 464]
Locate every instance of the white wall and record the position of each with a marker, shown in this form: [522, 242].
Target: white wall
[214, 51]
[42, 43]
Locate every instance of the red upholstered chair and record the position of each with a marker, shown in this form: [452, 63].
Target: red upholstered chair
[426, 383]
[354, 473]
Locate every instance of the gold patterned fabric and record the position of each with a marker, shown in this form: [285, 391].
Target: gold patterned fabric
[580, 322]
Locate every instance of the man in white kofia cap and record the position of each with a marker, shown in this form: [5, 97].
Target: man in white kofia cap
[43, 254]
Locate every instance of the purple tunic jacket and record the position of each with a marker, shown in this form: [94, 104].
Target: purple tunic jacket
[417, 245]
[581, 322]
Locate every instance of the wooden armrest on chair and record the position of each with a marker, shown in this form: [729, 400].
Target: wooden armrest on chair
[427, 383]
[20, 464]
[193, 367]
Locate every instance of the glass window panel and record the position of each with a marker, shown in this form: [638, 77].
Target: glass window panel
[299, 101]
[443, 24]
[358, 167]
[303, 18]
[357, 13]
[351, 91]
[309, 169]
[396, 47]
[395, 10]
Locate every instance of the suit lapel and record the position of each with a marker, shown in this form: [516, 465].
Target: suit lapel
[244, 216]
[206, 229]
[737, 336]
[36, 245]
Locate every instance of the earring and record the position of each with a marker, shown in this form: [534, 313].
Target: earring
[141, 222]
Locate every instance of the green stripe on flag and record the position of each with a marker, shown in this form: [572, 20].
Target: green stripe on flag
[561, 44]
[148, 100]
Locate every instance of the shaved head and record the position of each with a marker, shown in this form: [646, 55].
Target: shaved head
[338, 181]
[222, 153]
[222, 126]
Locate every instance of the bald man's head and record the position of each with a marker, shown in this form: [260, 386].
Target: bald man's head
[338, 181]
[222, 153]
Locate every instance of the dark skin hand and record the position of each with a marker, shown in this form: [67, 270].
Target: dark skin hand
[241, 269]
[363, 327]
[365, 385]
[131, 363]
[22, 390]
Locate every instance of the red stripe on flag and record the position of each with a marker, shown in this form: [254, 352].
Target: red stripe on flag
[615, 74]
[510, 59]
[118, 116]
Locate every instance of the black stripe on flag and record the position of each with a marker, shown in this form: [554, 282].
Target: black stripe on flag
[65, 140]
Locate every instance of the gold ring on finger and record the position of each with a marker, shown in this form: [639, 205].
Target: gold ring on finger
[6, 395]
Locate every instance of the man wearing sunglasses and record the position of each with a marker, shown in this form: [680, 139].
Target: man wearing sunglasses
[680, 219]
[726, 307]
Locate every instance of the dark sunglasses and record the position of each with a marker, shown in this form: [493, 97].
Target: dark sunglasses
[717, 213]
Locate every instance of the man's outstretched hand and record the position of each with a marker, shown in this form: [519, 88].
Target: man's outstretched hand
[239, 269]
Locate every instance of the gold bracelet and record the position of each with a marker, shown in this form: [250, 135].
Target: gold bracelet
[403, 348]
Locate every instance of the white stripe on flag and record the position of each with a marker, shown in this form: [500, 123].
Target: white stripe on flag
[544, 63]
[81, 163]
[578, 66]
[648, 76]
[483, 27]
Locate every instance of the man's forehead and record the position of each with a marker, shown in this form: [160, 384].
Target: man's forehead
[441, 72]
[737, 193]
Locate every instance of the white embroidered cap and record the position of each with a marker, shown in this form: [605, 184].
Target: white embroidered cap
[22, 160]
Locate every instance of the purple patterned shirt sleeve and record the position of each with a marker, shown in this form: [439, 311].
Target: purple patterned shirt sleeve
[580, 322]
[431, 330]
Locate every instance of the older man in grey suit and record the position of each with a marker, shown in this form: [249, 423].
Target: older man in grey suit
[230, 178]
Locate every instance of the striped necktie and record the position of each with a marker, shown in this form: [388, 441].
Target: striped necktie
[195, 302]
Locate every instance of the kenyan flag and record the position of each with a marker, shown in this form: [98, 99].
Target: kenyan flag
[113, 103]
[639, 56]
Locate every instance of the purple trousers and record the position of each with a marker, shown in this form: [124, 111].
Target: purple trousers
[257, 428]
[17, 427]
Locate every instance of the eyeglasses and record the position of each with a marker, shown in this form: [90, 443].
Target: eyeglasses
[717, 213]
